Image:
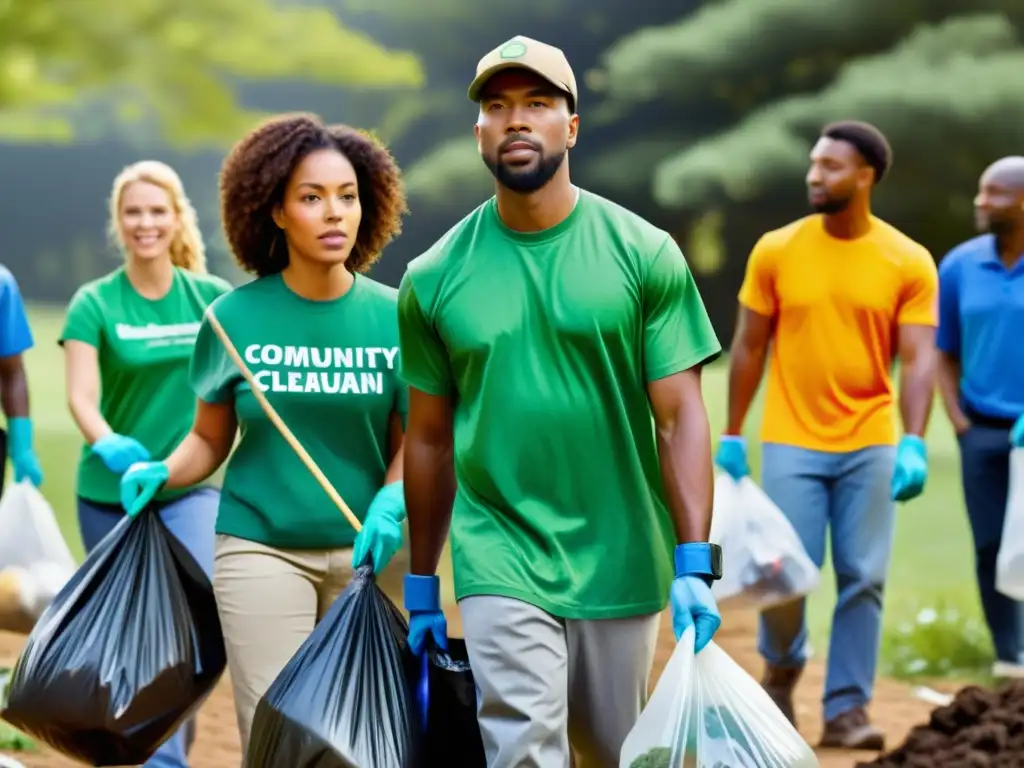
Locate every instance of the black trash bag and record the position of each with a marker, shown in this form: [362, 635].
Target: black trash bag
[343, 700]
[446, 700]
[128, 650]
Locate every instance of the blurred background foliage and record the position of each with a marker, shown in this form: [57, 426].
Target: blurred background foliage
[698, 115]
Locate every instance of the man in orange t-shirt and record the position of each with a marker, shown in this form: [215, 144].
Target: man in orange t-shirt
[832, 299]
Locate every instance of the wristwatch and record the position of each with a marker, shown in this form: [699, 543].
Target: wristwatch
[699, 558]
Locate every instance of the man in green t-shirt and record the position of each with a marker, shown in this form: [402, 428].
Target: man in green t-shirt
[553, 344]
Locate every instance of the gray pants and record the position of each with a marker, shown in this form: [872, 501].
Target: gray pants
[543, 682]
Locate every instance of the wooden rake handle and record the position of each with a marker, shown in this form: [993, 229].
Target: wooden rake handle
[279, 423]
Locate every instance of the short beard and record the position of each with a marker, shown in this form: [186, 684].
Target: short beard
[525, 182]
[830, 207]
[1000, 227]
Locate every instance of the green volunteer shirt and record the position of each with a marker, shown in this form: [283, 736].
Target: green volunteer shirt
[548, 341]
[143, 347]
[330, 370]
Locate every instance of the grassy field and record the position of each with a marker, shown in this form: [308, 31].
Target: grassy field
[932, 562]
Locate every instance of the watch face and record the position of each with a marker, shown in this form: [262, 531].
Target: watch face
[716, 561]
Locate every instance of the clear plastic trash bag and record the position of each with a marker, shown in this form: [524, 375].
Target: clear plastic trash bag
[765, 563]
[1010, 560]
[35, 562]
[707, 712]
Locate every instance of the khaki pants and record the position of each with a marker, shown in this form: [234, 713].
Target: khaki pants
[545, 683]
[269, 601]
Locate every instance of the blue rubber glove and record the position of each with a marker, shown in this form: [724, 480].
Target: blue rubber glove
[1017, 434]
[732, 456]
[119, 452]
[381, 534]
[693, 605]
[423, 602]
[911, 472]
[23, 454]
[140, 484]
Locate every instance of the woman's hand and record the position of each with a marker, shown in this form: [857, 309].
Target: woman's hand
[140, 484]
[381, 534]
[118, 452]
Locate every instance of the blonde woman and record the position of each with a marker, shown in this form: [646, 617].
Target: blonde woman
[128, 339]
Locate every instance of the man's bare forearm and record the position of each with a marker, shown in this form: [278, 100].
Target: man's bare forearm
[684, 452]
[917, 392]
[429, 495]
[948, 377]
[13, 388]
[746, 367]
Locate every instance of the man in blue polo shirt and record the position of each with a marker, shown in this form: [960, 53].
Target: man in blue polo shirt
[15, 339]
[981, 378]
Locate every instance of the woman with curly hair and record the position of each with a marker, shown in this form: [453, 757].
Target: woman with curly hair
[127, 340]
[307, 209]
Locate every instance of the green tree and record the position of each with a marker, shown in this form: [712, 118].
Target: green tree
[655, 77]
[753, 81]
[945, 96]
[733, 55]
[172, 66]
[699, 115]
[450, 36]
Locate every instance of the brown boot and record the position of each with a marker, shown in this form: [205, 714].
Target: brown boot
[852, 730]
[779, 683]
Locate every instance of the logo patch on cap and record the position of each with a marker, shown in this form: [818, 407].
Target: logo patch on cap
[513, 50]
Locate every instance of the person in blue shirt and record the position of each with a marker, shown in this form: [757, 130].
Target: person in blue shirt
[15, 340]
[981, 378]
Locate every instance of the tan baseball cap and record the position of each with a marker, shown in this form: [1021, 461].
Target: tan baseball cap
[524, 53]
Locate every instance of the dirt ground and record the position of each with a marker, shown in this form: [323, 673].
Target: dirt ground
[894, 708]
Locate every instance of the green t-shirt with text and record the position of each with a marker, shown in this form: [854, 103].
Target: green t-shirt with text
[547, 341]
[143, 347]
[330, 370]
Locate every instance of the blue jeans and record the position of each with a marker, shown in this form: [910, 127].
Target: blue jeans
[985, 473]
[849, 494]
[191, 518]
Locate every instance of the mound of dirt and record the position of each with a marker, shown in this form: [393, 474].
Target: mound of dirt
[981, 728]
